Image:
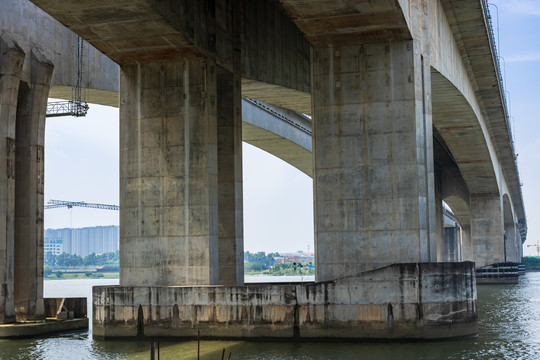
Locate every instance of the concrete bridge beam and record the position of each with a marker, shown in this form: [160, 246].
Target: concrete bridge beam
[373, 158]
[11, 63]
[29, 172]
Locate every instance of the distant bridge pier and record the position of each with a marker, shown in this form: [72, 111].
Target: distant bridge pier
[452, 243]
[487, 229]
[22, 118]
[511, 235]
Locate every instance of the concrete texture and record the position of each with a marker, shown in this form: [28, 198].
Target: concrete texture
[414, 301]
[10, 71]
[372, 143]
[169, 174]
[62, 314]
[487, 235]
[29, 172]
[13, 331]
[230, 199]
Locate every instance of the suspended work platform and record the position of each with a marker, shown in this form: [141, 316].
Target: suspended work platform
[67, 108]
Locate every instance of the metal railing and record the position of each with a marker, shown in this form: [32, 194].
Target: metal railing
[280, 115]
[496, 60]
[497, 57]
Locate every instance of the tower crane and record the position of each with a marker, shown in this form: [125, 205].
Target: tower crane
[54, 204]
[537, 246]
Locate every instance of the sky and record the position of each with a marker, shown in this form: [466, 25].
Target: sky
[519, 41]
[81, 154]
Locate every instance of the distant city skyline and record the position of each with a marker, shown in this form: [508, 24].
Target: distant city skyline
[83, 241]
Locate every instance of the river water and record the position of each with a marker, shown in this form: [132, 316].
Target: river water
[509, 328]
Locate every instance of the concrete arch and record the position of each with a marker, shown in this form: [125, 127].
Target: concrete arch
[280, 132]
[461, 133]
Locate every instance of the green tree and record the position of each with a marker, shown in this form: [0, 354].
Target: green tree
[47, 270]
[49, 259]
[253, 266]
[90, 260]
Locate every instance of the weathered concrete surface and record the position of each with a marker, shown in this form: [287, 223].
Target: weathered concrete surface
[487, 230]
[230, 192]
[11, 331]
[65, 308]
[169, 174]
[417, 301]
[29, 172]
[62, 314]
[12, 58]
[512, 240]
[374, 203]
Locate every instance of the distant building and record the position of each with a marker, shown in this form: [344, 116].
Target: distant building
[54, 245]
[297, 257]
[85, 241]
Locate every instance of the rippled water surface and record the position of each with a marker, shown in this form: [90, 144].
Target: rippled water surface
[509, 328]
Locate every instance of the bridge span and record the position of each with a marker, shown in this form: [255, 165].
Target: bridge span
[408, 111]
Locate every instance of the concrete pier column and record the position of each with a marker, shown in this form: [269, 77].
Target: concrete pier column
[374, 202]
[467, 247]
[230, 200]
[487, 236]
[168, 174]
[29, 170]
[512, 243]
[11, 63]
[442, 254]
[451, 244]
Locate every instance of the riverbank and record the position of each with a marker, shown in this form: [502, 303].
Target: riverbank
[87, 275]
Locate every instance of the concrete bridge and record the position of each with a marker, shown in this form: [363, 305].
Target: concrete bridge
[407, 111]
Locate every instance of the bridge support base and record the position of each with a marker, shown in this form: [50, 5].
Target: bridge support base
[400, 301]
[502, 273]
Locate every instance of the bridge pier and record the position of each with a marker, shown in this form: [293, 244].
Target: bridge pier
[11, 64]
[451, 244]
[29, 172]
[487, 230]
[180, 175]
[230, 198]
[373, 159]
[23, 104]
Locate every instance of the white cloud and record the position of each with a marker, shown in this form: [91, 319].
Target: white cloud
[523, 58]
[523, 7]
